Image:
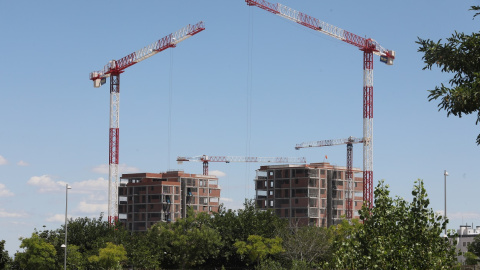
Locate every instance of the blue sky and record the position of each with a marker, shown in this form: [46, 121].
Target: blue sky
[305, 86]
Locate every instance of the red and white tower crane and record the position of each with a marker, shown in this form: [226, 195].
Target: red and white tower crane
[349, 175]
[369, 48]
[227, 159]
[113, 70]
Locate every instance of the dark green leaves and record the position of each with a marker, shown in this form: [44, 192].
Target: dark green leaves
[396, 235]
[459, 55]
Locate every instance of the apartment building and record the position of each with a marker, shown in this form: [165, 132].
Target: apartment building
[465, 236]
[147, 198]
[308, 194]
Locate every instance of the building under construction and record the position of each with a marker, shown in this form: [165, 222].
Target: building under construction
[147, 198]
[310, 194]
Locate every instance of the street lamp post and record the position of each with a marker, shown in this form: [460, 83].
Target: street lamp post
[67, 187]
[445, 174]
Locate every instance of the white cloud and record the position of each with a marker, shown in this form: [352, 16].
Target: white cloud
[98, 196]
[90, 185]
[103, 169]
[56, 218]
[85, 207]
[22, 163]
[226, 199]
[3, 161]
[217, 173]
[4, 192]
[5, 214]
[122, 168]
[46, 183]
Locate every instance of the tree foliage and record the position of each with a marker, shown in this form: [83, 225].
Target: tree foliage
[473, 251]
[145, 250]
[257, 248]
[111, 257]
[190, 241]
[238, 225]
[75, 259]
[470, 258]
[38, 254]
[397, 235]
[458, 55]
[86, 236]
[5, 259]
[92, 234]
[307, 244]
[474, 247]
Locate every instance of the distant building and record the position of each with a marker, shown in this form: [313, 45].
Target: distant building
[465, 236]
[148, 198]
[311, 194]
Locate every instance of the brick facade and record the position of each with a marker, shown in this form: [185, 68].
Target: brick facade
[148, 198]
[312, 194]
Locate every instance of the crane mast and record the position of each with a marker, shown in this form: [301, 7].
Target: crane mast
[369, 47]
[227, 159]
[113, 69]
[349, 174]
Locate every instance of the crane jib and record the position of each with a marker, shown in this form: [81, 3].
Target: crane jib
[323, 27]
[169, 41]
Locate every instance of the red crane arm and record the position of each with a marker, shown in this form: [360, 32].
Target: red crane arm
[386, 56]
[169, 41]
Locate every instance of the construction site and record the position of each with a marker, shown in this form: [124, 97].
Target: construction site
[148, 198]
[198, 124]
[316, 194]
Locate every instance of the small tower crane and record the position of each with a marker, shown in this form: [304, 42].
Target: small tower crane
[113, 70]
[349, 175]
[227, 159]
[369, 47]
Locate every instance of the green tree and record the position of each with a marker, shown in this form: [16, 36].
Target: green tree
[75, 259]
[343, 237]
[307, 244]
[257, 248]
[86, 235]
[186, 243]
[474, 250]
[192, 240]
[111, 257]
[259, 222]
[238, 225]
[458, 55]
[38, 254]
[56, 238]
[397, 235]
[5, 259]
[470, 258]
[474, 247]
[91, 234]
[270, 264]
[145, 250]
